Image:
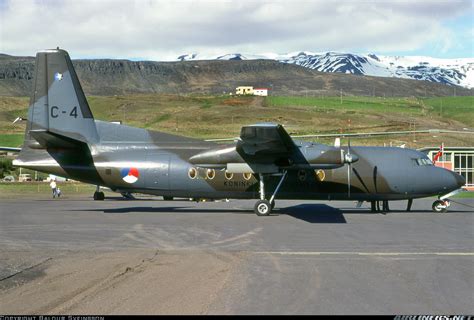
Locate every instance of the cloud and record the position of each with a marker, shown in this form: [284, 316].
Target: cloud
[161, 30]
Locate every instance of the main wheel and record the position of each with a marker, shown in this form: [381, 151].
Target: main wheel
[439, 206]
[262, 208]
[99, 195]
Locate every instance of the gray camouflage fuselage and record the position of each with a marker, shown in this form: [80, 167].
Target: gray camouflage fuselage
[62, 138]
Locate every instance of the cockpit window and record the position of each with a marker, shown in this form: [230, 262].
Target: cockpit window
[423, 162]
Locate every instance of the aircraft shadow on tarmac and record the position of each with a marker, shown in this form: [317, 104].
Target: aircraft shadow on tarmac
[312, 213]
[315, 213]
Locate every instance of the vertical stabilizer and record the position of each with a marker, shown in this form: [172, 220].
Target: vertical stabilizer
[58, 104]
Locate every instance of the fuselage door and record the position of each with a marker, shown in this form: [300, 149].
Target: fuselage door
[157, 176]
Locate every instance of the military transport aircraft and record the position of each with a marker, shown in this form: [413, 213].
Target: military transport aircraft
[265, 163]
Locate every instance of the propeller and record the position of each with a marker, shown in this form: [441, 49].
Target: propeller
[349, 158]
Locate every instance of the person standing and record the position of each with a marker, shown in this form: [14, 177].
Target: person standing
[54, 187]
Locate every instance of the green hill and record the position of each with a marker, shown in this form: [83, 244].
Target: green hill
[221, 116]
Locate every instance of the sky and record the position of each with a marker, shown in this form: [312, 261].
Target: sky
[164, 30]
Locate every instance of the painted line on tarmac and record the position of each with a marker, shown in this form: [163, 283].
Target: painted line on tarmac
[336, 253]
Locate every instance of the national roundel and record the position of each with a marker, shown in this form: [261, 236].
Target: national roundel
[130, 175]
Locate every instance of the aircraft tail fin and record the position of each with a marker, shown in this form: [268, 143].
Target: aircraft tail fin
[58, 104]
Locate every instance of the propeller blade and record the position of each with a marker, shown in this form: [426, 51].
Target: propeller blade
[349, 167]
[349, 158]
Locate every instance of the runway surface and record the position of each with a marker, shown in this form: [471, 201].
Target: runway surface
[147, 256]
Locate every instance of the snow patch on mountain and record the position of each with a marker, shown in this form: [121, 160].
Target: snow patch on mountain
[447, 71]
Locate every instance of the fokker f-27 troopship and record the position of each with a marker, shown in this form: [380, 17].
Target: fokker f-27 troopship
[265, 163]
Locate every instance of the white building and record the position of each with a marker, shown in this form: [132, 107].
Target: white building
[260, 92]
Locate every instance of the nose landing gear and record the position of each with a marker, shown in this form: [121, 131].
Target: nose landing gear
[441, 206]
[443, 203]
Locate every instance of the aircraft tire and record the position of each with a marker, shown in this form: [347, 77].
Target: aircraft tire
[263, 208]
[167, 198]
[439, 206]
[273, 204]
[99, 196]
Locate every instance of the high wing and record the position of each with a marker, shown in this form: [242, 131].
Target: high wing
[264, 142]
[365, 134]
[268, 148]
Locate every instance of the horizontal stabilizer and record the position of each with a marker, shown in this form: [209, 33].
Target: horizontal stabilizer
[49, 139]
[8, 149]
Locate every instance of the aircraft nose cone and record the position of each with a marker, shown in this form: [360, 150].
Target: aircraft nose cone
[448, 181]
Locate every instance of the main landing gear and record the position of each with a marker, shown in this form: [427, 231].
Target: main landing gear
[98, 195]
[127, 195]
[264, 207]
[375, 206]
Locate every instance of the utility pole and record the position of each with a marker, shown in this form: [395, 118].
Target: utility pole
[341, 96]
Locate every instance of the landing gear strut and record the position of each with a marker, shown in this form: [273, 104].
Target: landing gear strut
[98, 195]
[127, 195]
[375, 206]
[264, 207]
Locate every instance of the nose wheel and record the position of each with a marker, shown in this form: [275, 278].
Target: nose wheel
[440, 206]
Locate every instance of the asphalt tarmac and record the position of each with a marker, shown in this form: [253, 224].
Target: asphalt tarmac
[159, 257]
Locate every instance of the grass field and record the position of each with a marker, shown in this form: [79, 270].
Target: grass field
[454, 108]
[207, 116]
[14, 189]
[11, 140]
[464, 195]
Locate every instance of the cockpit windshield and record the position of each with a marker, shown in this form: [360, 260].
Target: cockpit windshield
[423, 162]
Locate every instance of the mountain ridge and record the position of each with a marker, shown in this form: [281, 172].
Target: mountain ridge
[115, 77]
[459, 71]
